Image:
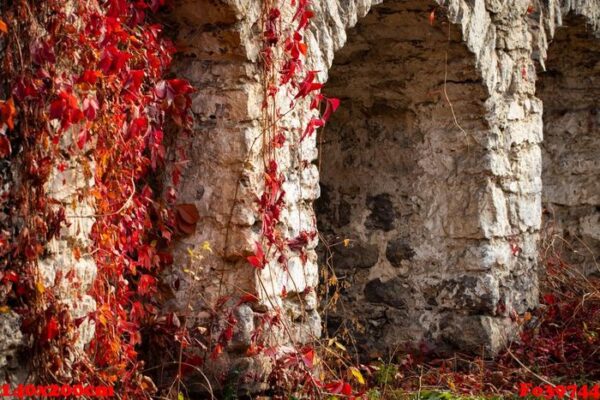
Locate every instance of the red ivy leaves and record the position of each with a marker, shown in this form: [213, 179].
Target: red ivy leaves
[66, 109]
[98, 72]
[258, 260]
[51, 330]
[8, 113]
[308, 85]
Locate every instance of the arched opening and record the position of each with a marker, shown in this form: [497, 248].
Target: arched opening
[401, 177]
[569, 90]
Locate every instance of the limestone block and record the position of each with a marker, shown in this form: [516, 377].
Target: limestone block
[474, 332]
[10, 337]
[494, 212]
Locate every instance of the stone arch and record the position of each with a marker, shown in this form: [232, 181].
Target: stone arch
[481, 280]
[569, 89]
[401, 178]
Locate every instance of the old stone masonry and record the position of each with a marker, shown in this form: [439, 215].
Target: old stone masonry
[459, 145]
[440, 166]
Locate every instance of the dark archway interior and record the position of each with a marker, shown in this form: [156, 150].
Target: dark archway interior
[400, 176]
[570, 91]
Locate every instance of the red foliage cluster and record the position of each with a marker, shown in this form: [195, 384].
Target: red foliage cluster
[562, 337]
[285, 76]
[96, 68]
[284, 73]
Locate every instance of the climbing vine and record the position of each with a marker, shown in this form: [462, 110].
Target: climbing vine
[84, 89]
[287, 80]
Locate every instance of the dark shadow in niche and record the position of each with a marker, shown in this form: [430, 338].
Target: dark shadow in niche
[569, 90]
[398, 175]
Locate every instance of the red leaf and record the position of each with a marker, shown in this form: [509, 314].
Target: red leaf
[3, 27]
[258, 260]
[217, 351]
[289, 70]
[137, 311]
[228, 333]
[51, 330]
[347, 389]
[135, 79]
[82, 138]
[180, 86]
[335, 103]
[90, 106]
[5, 148]
[432, 17]
[307, 85]
[304, 19]
[549, 299]
[331, 107]
[10, 276]
[8, 112]
[43, 52]
[316, 101]
[312, 125]
[248, 298]
[90, 77]
[146, 285]
[335, 387]
[113, 60]
[308, 358]
[188, 213]
[57, 108]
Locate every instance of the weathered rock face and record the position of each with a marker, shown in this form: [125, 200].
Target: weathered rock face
[432, 167]
[571, 168]
[402, 168]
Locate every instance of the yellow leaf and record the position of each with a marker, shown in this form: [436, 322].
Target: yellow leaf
[4, 309]
[180, 396]
[40, 287]
[356, 373]
[451, 385]
[206, 247]
[340, 346]
[346, 242]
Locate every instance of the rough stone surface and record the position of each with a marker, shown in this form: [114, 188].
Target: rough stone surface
[569, 89]
[438, 169]
[432, 168]
[10, 340]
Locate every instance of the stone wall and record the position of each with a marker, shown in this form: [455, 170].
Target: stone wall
[469, 210]
[443, 216]
[432, 168]
[569, 89]
[400, 177]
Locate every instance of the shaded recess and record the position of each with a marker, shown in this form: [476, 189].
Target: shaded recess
[570, 91]
[400, 178]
